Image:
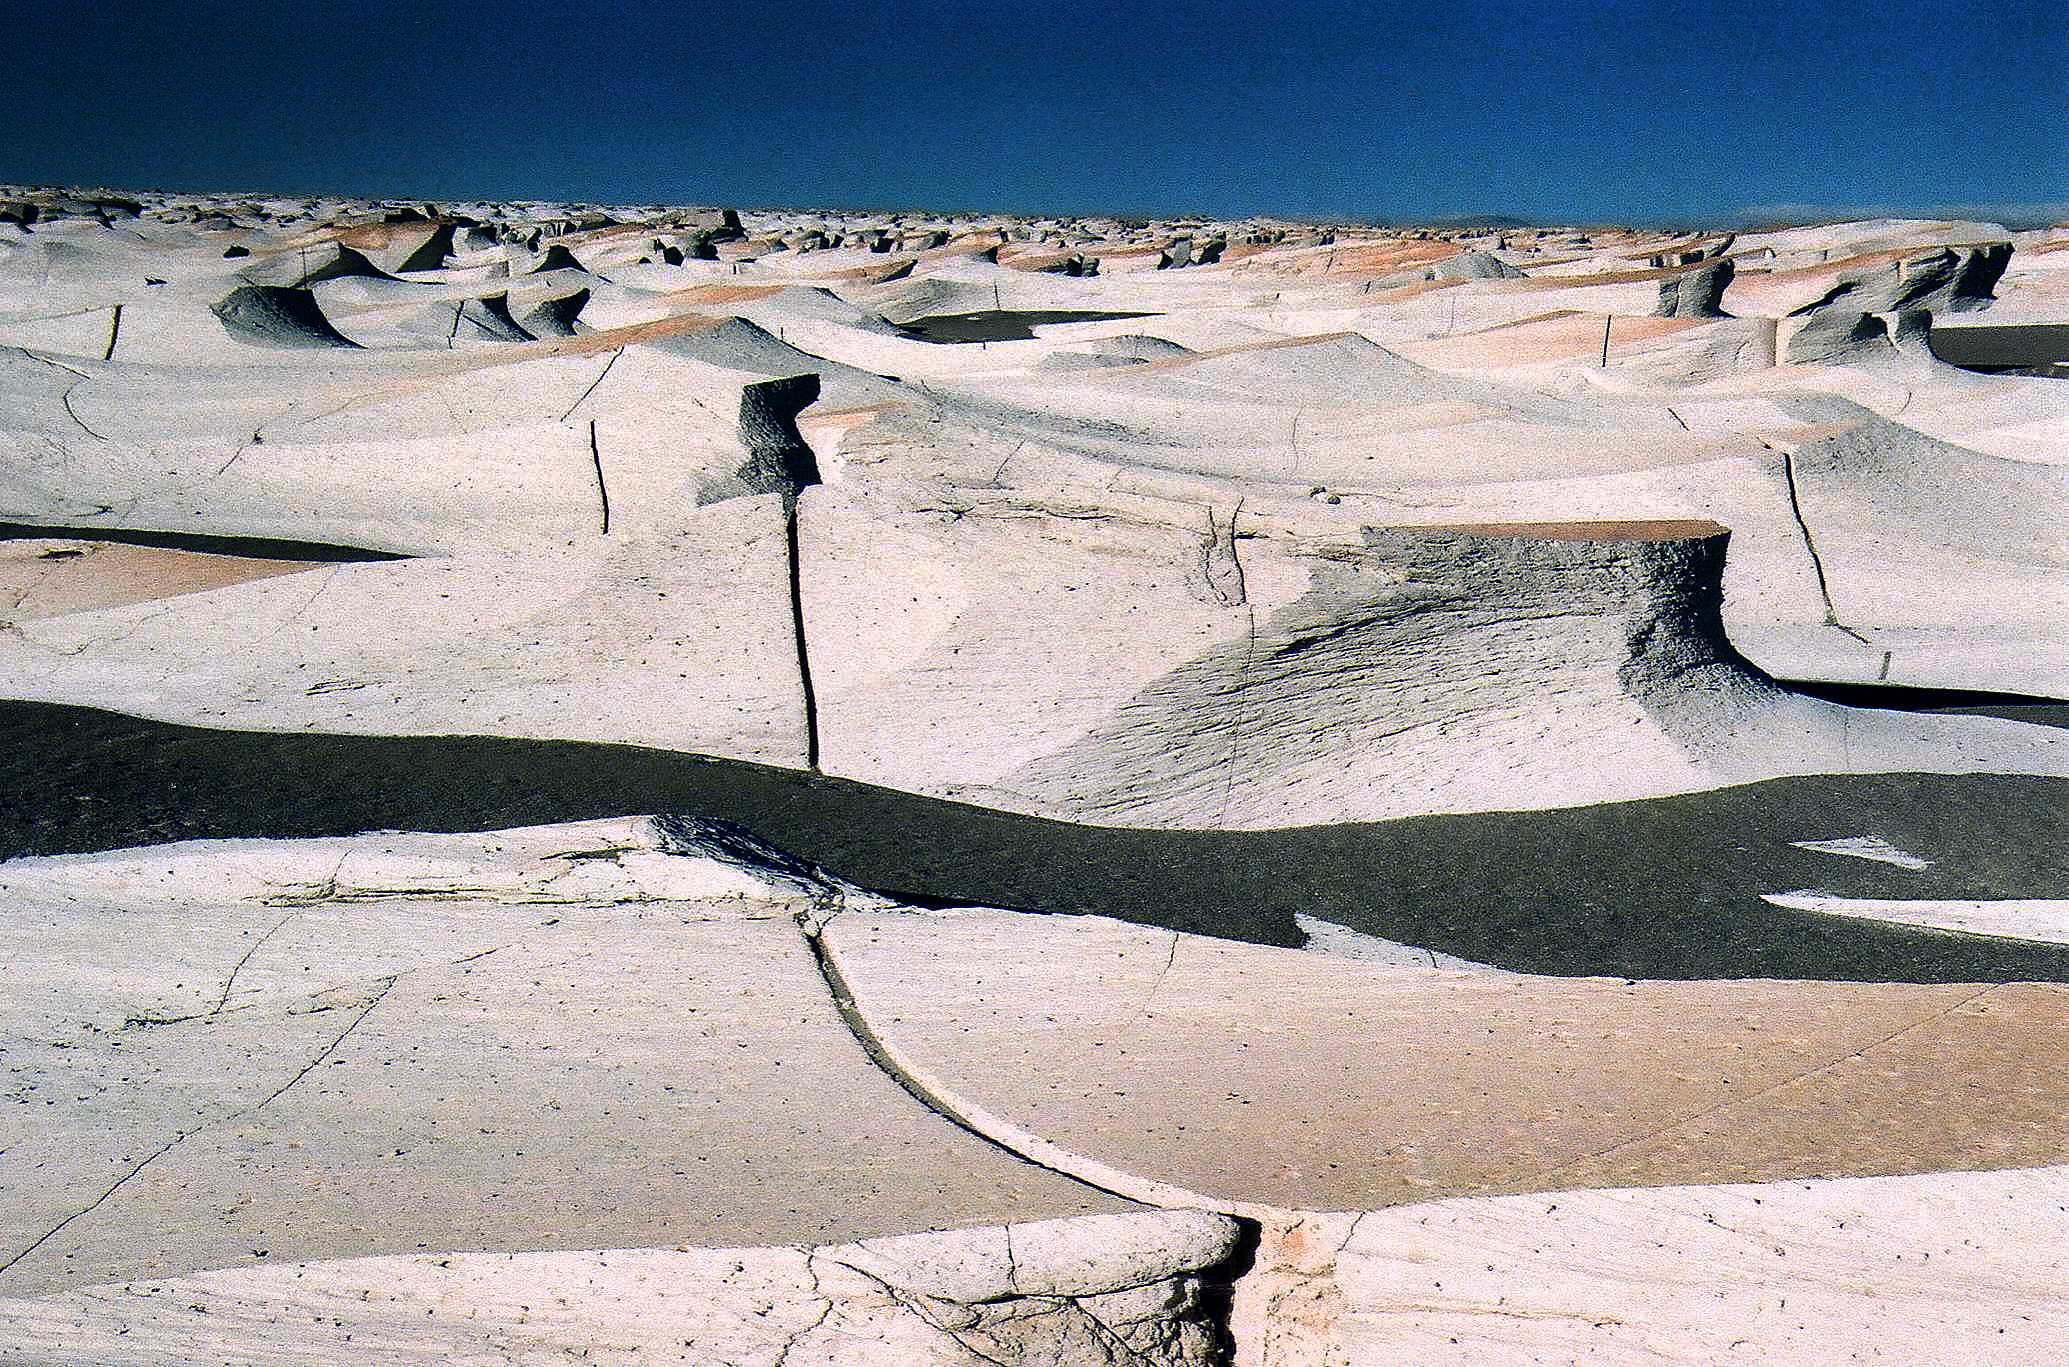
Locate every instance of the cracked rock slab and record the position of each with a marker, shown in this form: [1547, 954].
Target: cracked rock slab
[259, 1052]
[1191, 1071]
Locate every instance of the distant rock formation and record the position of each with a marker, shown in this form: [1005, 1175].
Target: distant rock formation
[310, 264]
[1475, 266]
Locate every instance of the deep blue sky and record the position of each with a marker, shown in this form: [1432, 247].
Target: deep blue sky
[1577, 110]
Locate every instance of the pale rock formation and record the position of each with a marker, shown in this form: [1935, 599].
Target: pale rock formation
[1510, 542]
[1103, 1291]
[1413, 1084]
[547, 1039]
[1944, 1268]
[375, 938]
[1426, 670]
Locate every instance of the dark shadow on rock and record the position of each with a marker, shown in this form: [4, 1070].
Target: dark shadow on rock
[1967, 702]
[1000, 325]
[278, 316]
[202, 543]
[1664, 888]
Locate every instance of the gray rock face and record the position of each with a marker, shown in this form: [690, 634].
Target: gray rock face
[1845, 324]
[1944, 279]
[556, 316]
[702, 837]
[1842, 337]
[278, 316]
[778, 459]
[1475, 266]
[487, 319]
[1697, 293]
[1407, 660]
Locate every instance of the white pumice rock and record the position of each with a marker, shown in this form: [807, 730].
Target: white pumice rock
[1558, 560]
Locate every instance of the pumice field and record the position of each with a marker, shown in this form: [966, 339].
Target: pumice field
[651, 785]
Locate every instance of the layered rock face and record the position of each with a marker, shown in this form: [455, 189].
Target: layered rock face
[1433, 669]
[1888, 302]
[1944, 280]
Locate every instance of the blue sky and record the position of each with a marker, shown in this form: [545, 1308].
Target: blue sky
[1570, 110]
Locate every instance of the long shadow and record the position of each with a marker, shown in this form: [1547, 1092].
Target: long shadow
[260, 547]
[1663, 888]
[1000, 325]
[1966, 702]
[2018, 348]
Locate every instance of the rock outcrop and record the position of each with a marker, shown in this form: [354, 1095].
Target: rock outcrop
[278, 316]
[1102, 1291]
[1697, 293]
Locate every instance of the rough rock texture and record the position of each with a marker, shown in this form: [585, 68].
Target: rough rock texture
[1951, 1267]
[1698, 943]
[557, 1038]
[1102, 1291]
[1438, 670]
[778, 459]
[271, 315]
[1944, 280]
[1886, 304]
[1698, 293]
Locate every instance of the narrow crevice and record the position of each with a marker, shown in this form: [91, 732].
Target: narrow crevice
[1219, 571]
[66, 400]
[1240, 720]
[600, 375]
[230, 982]
[780, 461]
[1817, 563]
[387, 985]
[797, 625]
[603, 494]
[851, 1015]
[1888, 697]
[1218, 1285]
[98, 1201]
[114, 332]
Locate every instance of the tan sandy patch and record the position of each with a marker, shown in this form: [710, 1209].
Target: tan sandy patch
[50, 578]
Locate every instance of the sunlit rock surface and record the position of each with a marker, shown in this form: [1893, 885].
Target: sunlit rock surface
[1013, 790]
